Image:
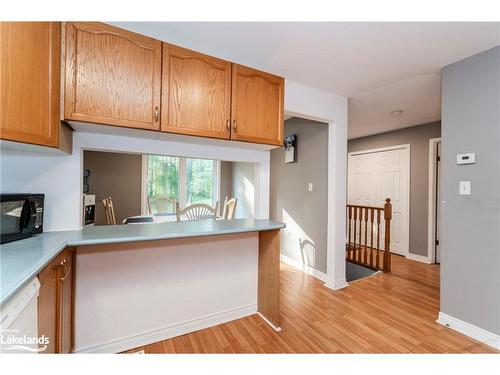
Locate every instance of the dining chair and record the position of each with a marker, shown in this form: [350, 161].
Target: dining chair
[197, 212]
[229, 208]
[109, 210]
[160, 205]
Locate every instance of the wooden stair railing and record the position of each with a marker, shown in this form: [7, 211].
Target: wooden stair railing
[364, 235]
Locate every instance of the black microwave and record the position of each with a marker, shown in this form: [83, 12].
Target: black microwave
[21, 215]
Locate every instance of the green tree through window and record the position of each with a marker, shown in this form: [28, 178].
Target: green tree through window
[199, 175]
[165, 174]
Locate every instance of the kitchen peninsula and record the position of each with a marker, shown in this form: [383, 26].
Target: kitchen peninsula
[137, 284]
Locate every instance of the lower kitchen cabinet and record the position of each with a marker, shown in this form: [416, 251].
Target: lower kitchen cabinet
[55, 303]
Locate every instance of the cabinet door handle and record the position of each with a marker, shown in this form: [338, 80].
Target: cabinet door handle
[157, 114]
[228, 126]
[64, 266]
[66, 270]
[234, 126]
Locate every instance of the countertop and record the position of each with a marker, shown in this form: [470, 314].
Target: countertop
[22, 260]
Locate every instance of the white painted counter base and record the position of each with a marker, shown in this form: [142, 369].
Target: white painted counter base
[133, 294]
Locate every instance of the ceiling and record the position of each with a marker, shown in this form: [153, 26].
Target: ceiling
[381, 66]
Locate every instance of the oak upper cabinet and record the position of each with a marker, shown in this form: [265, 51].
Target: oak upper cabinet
[112, 76]
[257, 107]
[196, 93]
[55, 303]
[30, 82]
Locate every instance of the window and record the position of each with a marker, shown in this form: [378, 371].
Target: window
[199, 181]
[163, 176]
[188, 181]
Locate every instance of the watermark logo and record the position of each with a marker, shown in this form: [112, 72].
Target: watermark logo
[11, 340]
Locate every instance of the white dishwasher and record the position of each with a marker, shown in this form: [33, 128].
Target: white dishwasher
[19, 322]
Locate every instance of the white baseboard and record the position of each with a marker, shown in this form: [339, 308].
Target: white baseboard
[304, 267]
[127, 343]
[479, 334]
[277, 329]
[336, 284]
[419, 258]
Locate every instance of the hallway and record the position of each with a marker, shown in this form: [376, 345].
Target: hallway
[384, 313]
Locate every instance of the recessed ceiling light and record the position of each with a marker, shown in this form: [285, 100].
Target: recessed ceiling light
[396, 113]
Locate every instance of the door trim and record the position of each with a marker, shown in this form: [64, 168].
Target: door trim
[406, 147]
[380, 149]
[431, 232]
[144, 185]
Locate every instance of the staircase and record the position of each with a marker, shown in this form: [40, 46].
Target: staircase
[367, 227]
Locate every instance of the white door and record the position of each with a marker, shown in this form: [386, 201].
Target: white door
[375, 175]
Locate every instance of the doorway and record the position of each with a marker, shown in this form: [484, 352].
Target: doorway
[377, 174]
[299, 195]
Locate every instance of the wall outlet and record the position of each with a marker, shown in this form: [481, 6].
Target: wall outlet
[310, 186]
[464, 188]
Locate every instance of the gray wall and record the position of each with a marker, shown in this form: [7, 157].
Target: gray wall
[304, 212]
[470, 260]
[418, 138]
[117, 176]
[243, 189]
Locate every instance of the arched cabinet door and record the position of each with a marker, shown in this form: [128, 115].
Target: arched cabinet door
[196, 93]
[113, 76]
[257, 106]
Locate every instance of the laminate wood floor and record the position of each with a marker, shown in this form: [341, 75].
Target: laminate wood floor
[384, 313]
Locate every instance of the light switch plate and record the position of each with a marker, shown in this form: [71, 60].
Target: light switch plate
[469, 158]
[464, 187]
[310, 186]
